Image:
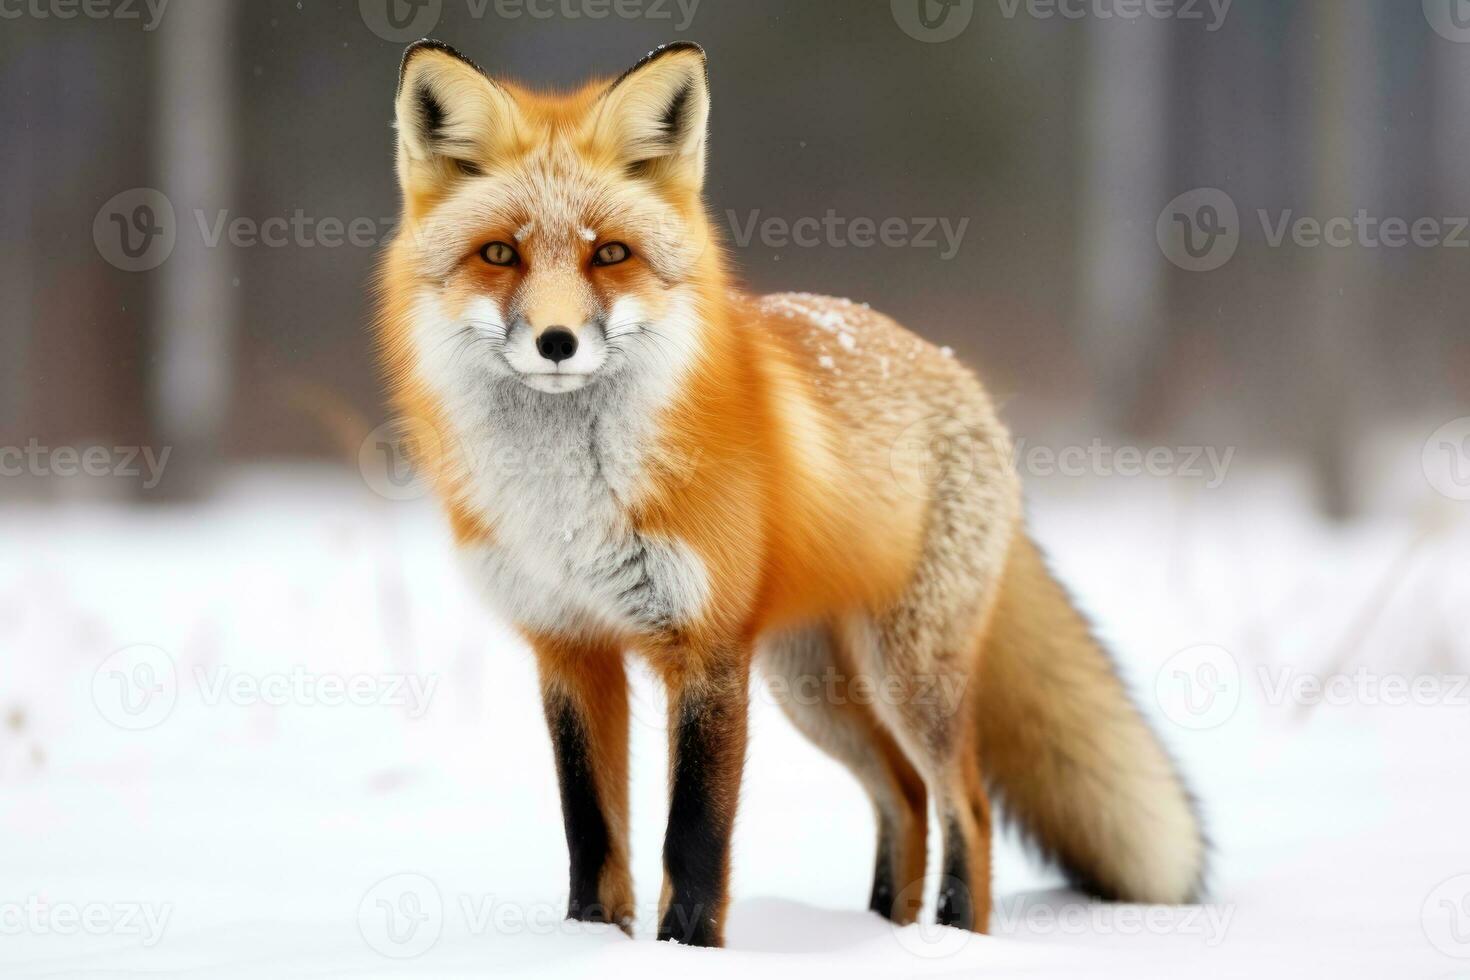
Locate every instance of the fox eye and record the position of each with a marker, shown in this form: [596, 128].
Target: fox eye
[611, 254]
[499, 253]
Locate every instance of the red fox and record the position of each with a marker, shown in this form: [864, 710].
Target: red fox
[635, 456]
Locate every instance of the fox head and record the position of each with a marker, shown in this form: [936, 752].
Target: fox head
[547, 240]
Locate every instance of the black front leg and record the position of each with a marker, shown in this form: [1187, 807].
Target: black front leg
[707, 733]
[584, 696]
[581, 811]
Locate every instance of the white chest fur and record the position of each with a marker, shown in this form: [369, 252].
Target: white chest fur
[557, 476]
[557, 485]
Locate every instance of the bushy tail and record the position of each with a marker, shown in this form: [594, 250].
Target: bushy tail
[1068, 756]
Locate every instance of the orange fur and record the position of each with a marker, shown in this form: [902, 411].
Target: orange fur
[783, 543]
[783, 491]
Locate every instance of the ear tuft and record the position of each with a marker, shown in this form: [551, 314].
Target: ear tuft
[676, 115]
[655, 116]
[431, 114]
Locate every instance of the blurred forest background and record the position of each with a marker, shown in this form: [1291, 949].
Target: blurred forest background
[1060, 140]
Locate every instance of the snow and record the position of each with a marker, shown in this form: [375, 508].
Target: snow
[337, 724]
[830, 313]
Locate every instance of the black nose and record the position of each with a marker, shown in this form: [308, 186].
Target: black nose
[556, 344]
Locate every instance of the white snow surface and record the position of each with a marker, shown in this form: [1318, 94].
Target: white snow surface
[257, 827]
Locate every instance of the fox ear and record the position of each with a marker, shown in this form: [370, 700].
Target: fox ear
[654, 118]
[452, 118]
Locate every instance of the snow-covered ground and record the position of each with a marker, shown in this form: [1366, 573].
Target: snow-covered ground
[275, 735]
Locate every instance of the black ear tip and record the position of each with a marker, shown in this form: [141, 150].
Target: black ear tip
[430, 44]
[681, 46]
[675, 46]
[663, 50]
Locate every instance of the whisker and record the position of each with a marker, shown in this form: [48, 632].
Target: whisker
[490, 326]
[454, 336]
